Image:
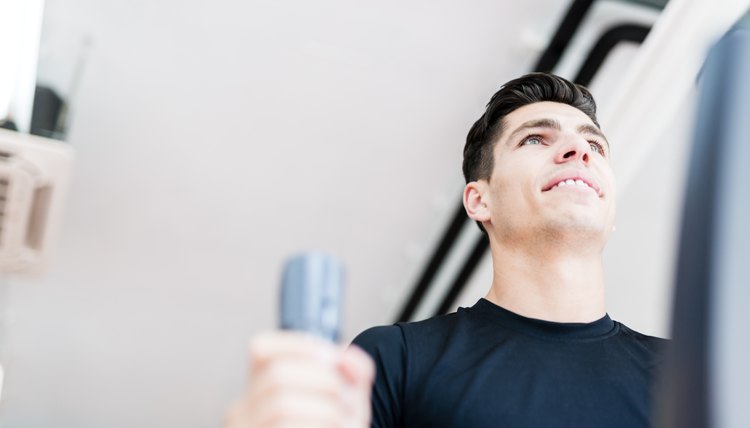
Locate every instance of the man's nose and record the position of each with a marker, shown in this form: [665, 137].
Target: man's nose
[576, 149]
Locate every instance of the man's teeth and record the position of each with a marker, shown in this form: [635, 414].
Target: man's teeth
[570, 182]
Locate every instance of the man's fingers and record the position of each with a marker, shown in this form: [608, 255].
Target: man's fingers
[297, 374]
[290, 344]
[312, 409]
[290, 408]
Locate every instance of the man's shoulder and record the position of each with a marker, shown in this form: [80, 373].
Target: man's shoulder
[648, 349]
[396, 336]
[383, 336]
[645, 339]
[399, 352]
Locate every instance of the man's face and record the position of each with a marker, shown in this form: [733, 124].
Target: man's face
[551, 176]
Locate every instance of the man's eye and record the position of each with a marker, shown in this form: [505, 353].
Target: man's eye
[596, 147]
[532, 140]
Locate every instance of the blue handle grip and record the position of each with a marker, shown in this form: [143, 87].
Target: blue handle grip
[311, 294]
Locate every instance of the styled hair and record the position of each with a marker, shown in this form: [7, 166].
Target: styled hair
[531, 88]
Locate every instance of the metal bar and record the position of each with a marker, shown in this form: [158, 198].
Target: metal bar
[438, 256]
[609, 40]
[480, 247]
[563, 35]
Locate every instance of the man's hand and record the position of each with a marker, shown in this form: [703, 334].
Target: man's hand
[297, 380]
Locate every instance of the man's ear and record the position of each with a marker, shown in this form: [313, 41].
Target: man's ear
[476, 200]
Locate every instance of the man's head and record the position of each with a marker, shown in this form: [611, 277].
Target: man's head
[537, 130]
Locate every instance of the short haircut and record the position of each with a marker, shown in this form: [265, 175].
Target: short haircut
[531, 88]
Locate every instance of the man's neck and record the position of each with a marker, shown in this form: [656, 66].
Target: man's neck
[549, 284]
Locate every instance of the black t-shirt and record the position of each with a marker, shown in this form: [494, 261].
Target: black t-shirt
[485, 366]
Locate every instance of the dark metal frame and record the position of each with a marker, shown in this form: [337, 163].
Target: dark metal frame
[438, 256]
[633, 33]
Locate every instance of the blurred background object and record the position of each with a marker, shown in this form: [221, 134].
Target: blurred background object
[706, 375]
[215, 139]
[33, 179]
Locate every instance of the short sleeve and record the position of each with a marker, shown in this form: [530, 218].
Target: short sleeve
[387, 347]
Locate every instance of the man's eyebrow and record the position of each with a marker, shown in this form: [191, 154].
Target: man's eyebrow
[554, 124]
[536, 123]
[591, 129]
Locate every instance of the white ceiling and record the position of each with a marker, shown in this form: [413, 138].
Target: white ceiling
[214, 139]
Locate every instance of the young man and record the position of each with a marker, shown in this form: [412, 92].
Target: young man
[539, 350]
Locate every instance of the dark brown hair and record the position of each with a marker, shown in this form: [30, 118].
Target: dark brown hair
[531, 88]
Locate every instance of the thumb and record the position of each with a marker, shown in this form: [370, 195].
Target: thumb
[358, 367]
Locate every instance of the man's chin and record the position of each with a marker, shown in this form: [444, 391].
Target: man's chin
[577, 227]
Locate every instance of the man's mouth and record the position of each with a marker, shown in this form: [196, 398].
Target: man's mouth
[574, 183]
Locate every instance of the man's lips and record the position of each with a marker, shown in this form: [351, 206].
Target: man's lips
[573, 179]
